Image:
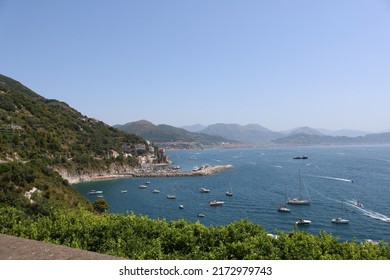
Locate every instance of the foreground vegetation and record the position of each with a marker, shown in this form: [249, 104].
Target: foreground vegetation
[138, 237]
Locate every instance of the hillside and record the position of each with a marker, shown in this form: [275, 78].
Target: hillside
[40, 136]
[251, 133]
[35, 127]
[173, 137]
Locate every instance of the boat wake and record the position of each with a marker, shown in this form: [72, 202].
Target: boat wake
[332, 178]
[368, 212]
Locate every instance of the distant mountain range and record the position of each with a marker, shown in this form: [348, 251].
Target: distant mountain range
[197, 136]
[173, 137]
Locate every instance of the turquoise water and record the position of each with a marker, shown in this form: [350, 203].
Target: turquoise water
[260, 180]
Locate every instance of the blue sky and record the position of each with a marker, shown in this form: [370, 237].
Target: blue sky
[281, 64]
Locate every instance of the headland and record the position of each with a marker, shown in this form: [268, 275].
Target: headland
[150, 171]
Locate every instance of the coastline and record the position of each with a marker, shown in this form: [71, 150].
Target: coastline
[139, 173]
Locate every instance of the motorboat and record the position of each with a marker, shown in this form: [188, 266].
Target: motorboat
[302, 157]
[181, 206]
[216, 203]
[303, 222]
[95, 192]
[171, 196]
[123, 191]
[201, 215]
[204, 190]
[283, 208]
[340, 220]
[142, 186]
[155, 191]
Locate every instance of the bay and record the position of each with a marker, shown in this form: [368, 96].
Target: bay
[261, 178]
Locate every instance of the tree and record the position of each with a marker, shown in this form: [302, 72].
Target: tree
[100, 205]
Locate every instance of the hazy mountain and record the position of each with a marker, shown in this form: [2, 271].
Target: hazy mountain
[194, 127]
[342, 132]
[311, 139]
[166, 135]
[304, 130]
[251, 133]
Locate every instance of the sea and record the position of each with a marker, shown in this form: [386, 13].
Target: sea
[348, 181]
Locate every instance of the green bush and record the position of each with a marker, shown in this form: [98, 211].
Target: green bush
[138, 237]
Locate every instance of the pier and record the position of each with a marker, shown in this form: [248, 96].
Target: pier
[162, 172]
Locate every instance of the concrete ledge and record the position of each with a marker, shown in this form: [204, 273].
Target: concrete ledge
[16, 248]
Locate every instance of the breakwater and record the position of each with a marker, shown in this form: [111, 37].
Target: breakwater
[163, 172]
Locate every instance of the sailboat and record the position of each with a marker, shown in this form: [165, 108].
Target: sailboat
[340, 220]
[299, 200]
[230, 191]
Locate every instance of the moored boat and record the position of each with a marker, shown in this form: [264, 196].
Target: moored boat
[340, 220]
[299, 200]
[303, 222]
[95, 192]
[171, 196]
[283, 208]
[155, 191]
[216, 203]
[302, 157]
[230, 191]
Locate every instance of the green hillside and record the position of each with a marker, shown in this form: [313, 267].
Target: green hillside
[34, 127]
[39, 136]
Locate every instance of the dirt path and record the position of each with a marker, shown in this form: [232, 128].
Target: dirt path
[15, 248]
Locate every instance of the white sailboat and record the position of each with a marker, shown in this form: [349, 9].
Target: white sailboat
[230, 191]
[299, 200]
[340, 220]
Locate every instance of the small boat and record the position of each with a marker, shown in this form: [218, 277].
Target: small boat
[216, 203]
[100, 196]
[229, 192]
[299, 200]
[124, 191]
[283, 208]
[204, 190]
[357, 203]
[302, 157]
[181, 206]
[340, 220]
[142, 186]
[147, 183]
[155, 191]
[95, 192]
[303, 222]
[171, 196]
[201, 215]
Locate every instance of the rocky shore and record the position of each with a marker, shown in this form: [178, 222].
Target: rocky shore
[156, 171]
